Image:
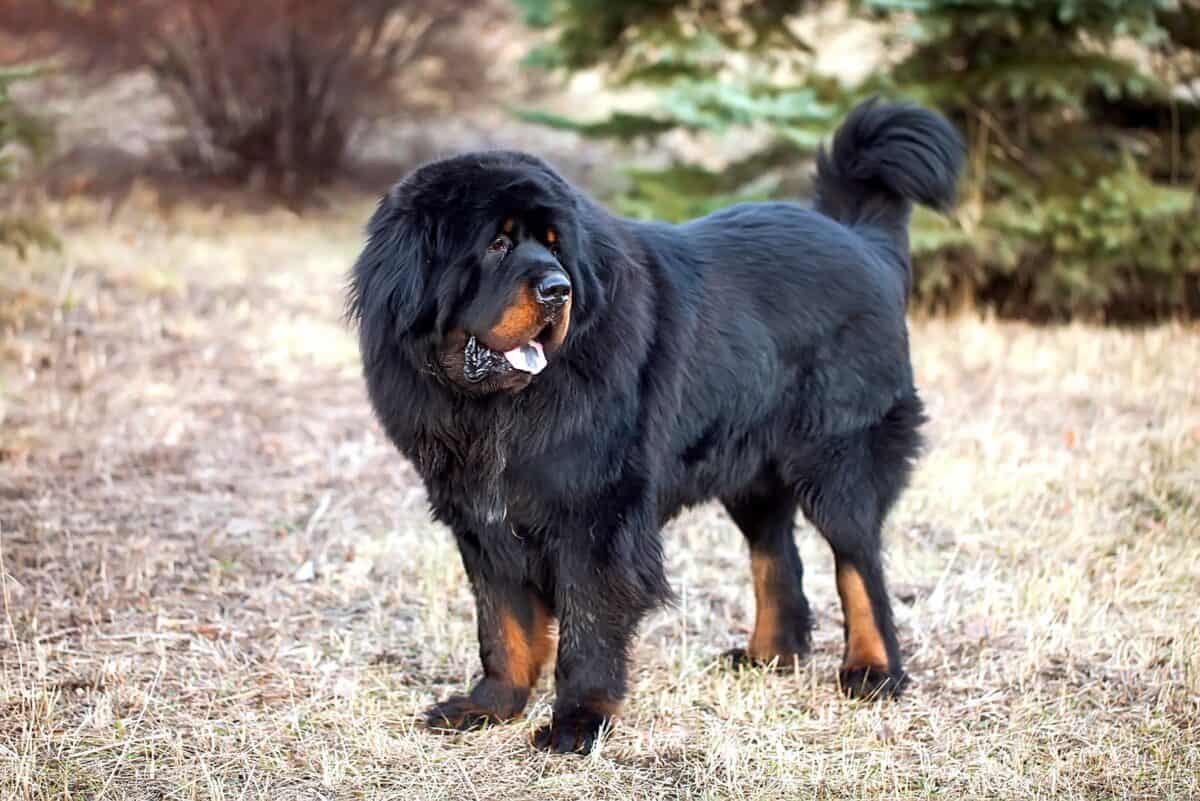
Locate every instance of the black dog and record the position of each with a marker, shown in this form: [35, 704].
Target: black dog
[565, 381]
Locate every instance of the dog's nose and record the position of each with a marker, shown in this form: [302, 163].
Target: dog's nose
[553, 289]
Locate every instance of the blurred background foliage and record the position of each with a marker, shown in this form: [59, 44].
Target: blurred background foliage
[1082, 118]
[19, 129]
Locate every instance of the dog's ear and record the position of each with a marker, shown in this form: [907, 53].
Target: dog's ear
[387, 295]
[600, 257]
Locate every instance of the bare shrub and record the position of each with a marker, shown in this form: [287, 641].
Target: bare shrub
[271, 88]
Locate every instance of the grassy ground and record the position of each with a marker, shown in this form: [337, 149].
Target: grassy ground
[220, 582]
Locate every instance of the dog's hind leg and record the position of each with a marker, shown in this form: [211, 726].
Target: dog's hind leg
[782, 622]
[850, 482]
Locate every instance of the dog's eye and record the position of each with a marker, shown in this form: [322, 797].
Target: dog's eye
[499, 245]
[555, 251]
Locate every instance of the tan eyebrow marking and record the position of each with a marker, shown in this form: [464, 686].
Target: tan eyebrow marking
[508, 225]
[551, 236]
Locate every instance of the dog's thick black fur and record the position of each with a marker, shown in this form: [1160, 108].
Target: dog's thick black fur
[758, 355]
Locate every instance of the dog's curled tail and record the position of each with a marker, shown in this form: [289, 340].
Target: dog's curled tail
[884, 158]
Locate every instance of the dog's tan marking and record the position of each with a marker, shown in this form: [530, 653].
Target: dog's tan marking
[525, 650]
[606, 707]
[864, 644]
[764, 642]
[551, 236]
[558, 332]
[520, 322]
[509, 224]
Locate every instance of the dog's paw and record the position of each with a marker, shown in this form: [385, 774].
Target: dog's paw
[459, 713]
[736, 658]
[573, 733]
[872, 683]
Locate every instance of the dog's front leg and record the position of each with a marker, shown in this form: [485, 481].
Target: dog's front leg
[515, 641]
[607, 580]
[590, 676]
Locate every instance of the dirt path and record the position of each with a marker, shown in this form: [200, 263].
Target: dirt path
[221, 582]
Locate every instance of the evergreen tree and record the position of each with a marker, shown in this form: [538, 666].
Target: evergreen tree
[1083, 137]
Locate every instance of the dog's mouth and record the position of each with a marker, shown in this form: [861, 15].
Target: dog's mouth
[510, 353]
[481, 362]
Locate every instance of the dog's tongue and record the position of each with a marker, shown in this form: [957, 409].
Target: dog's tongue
[529, 358]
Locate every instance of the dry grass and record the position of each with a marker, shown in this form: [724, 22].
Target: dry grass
[220, 582]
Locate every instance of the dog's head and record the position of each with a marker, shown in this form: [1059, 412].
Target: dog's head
[479, 268]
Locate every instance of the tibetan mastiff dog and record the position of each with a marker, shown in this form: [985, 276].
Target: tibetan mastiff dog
[565, 381]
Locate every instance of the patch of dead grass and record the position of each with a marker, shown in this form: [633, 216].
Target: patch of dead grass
[220, 582]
